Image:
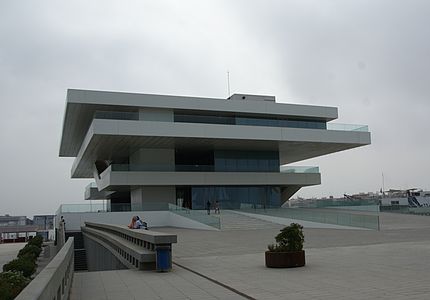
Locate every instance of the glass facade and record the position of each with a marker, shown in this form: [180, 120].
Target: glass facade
[226, 160]
[236, 197]
[116, 115]
[252, 121]
[246, 161]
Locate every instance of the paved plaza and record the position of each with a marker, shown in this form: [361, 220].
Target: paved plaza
[9, 252]
[392, 263]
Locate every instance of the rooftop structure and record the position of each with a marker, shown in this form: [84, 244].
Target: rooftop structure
[147, 151]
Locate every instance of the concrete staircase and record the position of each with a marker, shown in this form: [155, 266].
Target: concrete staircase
[230, 220]
[80, 259]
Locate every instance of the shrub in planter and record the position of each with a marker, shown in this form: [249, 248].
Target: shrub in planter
[288, 251]
[11, 284]
[23, 264]
[31, 251]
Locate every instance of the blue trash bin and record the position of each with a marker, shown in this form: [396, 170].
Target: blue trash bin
[163, 258]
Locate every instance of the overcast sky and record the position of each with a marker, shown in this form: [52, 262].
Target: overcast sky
[371, 59]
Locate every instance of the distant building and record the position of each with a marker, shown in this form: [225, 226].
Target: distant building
[8, 220]
[44, 222]
[16, 228]
[148, 151]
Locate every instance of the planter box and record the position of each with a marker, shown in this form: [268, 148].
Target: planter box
[285, 259]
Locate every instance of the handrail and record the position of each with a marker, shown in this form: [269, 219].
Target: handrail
[55, 280]
[135, 235]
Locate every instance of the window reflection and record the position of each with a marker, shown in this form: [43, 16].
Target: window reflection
[236, 197]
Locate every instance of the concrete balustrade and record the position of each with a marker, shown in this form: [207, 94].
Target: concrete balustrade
[134, 248]
[55, 280]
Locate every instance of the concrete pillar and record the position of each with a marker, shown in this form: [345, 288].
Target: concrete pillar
[153, 197]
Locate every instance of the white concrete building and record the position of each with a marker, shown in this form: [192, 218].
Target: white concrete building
[146, 151]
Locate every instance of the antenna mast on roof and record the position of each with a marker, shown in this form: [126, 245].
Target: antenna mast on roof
[228, 84]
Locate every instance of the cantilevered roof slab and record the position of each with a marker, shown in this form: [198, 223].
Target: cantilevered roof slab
[81, 106]
[116, 139]
[115, 180]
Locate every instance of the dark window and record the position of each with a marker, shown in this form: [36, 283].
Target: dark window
[236, 197]
[246, 161]
[252, 121]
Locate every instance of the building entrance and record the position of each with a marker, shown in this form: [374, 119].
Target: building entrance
[183, 196]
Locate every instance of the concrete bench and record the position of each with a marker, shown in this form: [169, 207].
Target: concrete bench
[134, 248]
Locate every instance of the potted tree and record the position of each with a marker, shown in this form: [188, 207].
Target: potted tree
[288, 251]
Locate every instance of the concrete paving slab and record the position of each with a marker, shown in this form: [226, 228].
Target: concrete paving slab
[134, 284]
[392, 263]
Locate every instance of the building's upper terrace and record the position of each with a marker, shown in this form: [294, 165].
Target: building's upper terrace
[240, 109]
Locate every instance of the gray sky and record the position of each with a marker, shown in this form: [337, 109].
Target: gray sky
[371, 59]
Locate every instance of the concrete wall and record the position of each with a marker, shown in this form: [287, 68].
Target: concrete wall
[156, 114]
[154, 157]
[157, 195]
[99, 258]
[55, 280]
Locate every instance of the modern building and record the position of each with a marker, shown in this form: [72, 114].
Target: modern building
[147, 151]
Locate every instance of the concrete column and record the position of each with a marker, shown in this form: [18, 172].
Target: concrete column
[153, 197]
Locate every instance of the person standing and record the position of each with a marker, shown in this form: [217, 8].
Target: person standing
[208, 207]
[63, 223]
[217, 207]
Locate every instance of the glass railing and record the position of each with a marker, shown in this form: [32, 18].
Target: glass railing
[299, 169]
[347, 127]
[338, 203]
[123, 115]
[116, 115]
[423, 211]
[361, 220]
[82, 208]
[200, 216]
[115, 207]
[208, 168]
[92, 185]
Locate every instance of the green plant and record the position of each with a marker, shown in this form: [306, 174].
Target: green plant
[11, 284]
[290, 239]
[24, 264]
[31, 251]
[36, 241]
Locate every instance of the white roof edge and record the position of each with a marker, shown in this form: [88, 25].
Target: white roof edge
[198, 103]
